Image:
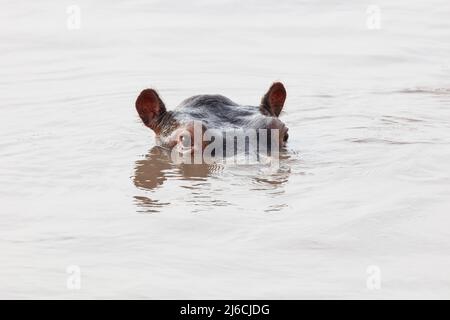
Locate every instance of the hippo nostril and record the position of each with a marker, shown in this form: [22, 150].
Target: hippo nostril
[286, 136]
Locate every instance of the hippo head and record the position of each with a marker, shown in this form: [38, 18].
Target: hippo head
[176, 128]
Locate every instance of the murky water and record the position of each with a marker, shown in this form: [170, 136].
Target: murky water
[365, 180]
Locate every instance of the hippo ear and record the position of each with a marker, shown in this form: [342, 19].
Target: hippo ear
[150, 107]
[273, 101]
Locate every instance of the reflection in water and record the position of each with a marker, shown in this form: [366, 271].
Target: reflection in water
[149, 173]
[276, 179]
[204, 194]
[157, 167]
[148, 205]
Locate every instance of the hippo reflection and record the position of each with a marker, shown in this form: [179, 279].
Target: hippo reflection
[152, 171]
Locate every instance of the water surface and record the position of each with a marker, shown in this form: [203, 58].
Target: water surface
[364, 180]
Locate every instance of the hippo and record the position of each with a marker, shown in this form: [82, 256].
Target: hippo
[175, 128]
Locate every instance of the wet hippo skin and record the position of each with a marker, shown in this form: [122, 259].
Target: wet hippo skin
[213, 112]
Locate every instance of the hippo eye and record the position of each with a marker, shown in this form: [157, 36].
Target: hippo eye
[185, 141]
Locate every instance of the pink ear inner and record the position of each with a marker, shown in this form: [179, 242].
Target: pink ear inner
[148, 106]
[277, 96]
